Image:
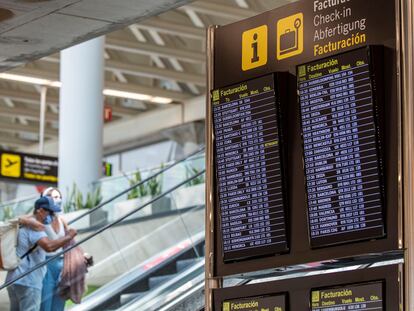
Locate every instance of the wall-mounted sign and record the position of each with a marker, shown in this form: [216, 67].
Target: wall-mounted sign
[340, 138]
[107, 113]
[24, 167]
[106, 169]
[280, 39]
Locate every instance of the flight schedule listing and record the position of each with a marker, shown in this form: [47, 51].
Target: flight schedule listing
[248, 169]
[341, 149]
[357, 297]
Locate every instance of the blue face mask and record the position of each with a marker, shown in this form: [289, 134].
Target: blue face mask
[48, 220]
[58, 203]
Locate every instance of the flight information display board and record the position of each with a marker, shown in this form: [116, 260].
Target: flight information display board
[249, 172]
[339, 117]
[273, 303]
[354, 297]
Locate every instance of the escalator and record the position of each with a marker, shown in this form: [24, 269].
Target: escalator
[150, 280]
[137, 252]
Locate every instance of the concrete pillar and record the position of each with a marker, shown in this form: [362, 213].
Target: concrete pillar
[81, 115]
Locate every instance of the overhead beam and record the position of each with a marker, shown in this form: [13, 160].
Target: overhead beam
[22, 96]
[15, 141]
[147, 71]
[32, 114]
[151, 49]
[173, 28]
[154, 72]
[217, 9]
[148, 90]
[12, 127]
[33, 98]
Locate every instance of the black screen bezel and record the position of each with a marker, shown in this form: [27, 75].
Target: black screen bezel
[372, 53]
[280, 294]
[279, 89]
[299, 289]
[382, 282]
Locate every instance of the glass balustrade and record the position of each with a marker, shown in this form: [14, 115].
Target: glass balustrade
[171, 219]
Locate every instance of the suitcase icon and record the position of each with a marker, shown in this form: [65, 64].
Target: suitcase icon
[288, 41]
[290, 36]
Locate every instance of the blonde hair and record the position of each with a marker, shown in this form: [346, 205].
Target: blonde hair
[48, 191]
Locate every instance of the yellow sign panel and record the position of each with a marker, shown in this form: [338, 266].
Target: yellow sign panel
[289, 36]
[216, 95]
[254, 48]
[226, 306]
[10, 165]
[316, 296]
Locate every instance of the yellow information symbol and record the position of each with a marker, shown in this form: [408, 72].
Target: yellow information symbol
[10, 165]
[316, 296]
[302, 71]
[216, 95]
[289, 36]
[226, 306]
[254, 48]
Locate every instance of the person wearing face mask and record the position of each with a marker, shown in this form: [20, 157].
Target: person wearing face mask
[55, 228]
[25, 294]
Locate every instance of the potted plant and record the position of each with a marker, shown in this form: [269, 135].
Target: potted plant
[8, 213]
[136, 197]
[140, 195]
[99, 216]
[163, 204]
[193, 193]
[75, 206]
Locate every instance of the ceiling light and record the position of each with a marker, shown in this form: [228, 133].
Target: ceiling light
[123, 94]
[107, 92]
[137, 96]
[31, 80]
[161, 100]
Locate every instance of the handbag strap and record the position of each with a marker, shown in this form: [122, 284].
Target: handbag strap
[29, 251]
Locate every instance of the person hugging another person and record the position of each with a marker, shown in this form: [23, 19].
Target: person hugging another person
[55, 228]
[26, 293]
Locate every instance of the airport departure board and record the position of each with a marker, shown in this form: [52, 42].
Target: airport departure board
[249, 170]
[347, 298]
[339, 116]
[271, 303]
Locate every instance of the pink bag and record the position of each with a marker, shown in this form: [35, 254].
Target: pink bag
[72, 282]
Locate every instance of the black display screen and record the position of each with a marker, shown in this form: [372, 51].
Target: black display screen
[249, 177]
[268, 303]
[354, 297]
[339, 117]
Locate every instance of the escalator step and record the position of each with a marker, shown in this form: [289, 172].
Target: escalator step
[185, 263]
[157, 280]
[125, 298]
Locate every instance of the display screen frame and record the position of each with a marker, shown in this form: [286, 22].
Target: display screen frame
[224, 69]
[285, 295]
[299, 289]
[280, 94]
[375, 57]
[381, 282]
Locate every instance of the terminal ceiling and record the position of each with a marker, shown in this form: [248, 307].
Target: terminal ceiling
[154, 47]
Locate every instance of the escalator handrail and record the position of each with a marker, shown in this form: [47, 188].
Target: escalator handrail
[100, 205]
[99, 231]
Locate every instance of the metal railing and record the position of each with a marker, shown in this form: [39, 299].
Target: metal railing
[119, 220]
